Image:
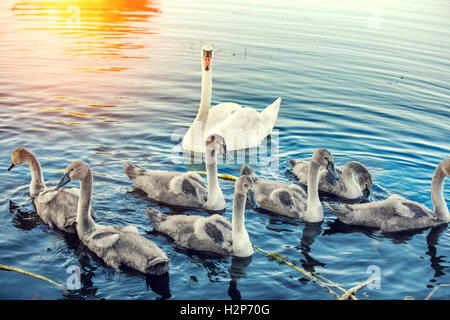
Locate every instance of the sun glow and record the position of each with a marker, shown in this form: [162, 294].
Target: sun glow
[70, 46]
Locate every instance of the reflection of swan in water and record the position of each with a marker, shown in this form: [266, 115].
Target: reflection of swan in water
[310, 232]
[432, 241]
[237, 271]
[23, 220]
[398, 238]
[336, 227]
[159, 284]
[398, 214]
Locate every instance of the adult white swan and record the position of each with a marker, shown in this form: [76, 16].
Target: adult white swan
[116, 245]
[241, 127]
[396, 213]
[55, 207]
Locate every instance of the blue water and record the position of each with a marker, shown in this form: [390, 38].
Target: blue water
[121, 81]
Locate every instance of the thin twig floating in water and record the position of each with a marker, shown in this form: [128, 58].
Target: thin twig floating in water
[275, 256]
[353, 290]
[60, 286]
[283, 260]
[331, 283]
[220, 175]
[434, 290]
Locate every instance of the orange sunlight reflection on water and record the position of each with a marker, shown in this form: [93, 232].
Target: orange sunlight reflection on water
[68, 49]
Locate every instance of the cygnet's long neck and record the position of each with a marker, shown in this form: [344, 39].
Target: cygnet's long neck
[352, 189]
[37, 180]
[437, 195]
[242, 246]
[205, 100]
[314, 211]
[216, 200]
[85, 223]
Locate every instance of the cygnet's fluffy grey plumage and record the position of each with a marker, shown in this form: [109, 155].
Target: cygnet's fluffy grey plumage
[396, 213]
[277, 197]
[213, 234]
[290, 199]
[345, 186]
[115, 245]
[186, 189]
[54, 207]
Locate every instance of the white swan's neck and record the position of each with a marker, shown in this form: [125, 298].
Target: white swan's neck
[314, 211]
[242, 247]
[85, 223]
[216, 200]
[352, 189]
[437, 195]
[37, 180]
[205, 100]
[194, 136]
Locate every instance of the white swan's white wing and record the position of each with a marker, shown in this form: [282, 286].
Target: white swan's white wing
[220, 112]
[241, 130]
[233, 122]
[245, 127]
[269, 116]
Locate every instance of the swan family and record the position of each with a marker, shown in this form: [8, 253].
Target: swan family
[217, 130]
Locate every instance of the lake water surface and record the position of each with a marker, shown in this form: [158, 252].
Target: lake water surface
[109, 81]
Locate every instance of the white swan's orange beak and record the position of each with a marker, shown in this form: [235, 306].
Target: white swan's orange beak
[207, 56]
